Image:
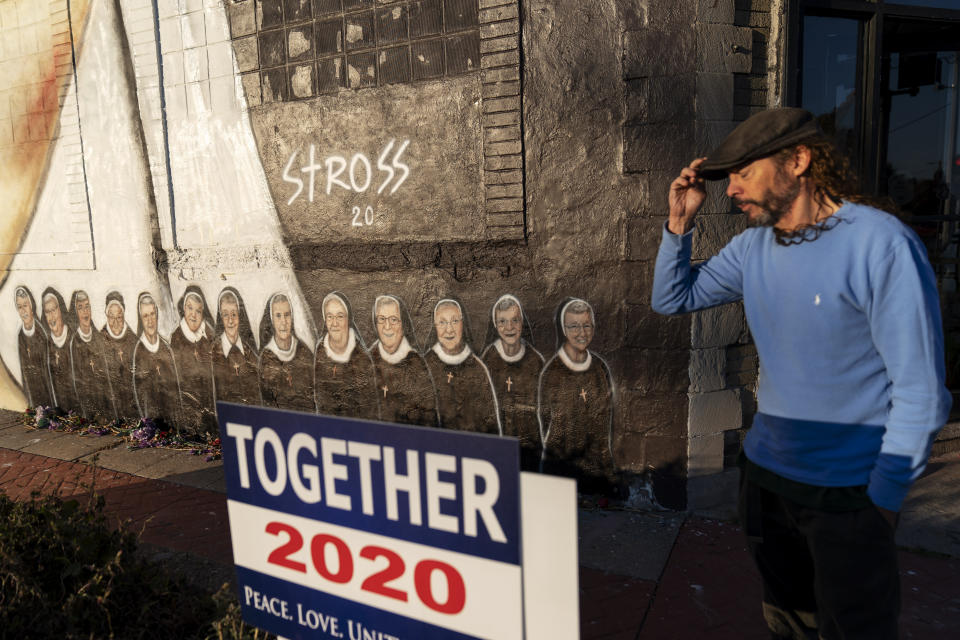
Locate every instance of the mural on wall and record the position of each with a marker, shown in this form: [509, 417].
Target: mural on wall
[58, 353]
[465, 395]
[575, 400]
[88, 364]
[344, 381]
[234, 359]
[514, 366]
[561, 411]
[405, 388]
[191, 343]
[32, 345]
[156, 385]
[286, 363]
[118, 345]
[235, 140]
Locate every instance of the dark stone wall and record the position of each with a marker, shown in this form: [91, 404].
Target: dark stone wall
[594, 224]
[751, 88]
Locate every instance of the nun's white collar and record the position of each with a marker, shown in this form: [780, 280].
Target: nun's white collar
[192, 336]
[86, 337]
[575, 366]
[226, 345]
[344, 357]
[397, 356]
[498, 345]
[62, 340]
[446, 358]
[123, 331]
[285, 356]
[152, 348]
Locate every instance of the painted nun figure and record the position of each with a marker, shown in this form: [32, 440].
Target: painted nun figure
[465, 395]
[286, 364]
[90, 377]
[404, 386]
[33, 346]
[343, 371]
[576, 403]
[514, 367]
[234, 357]
[192, 344]
[58, 357]
[118, 345]
[155, 381]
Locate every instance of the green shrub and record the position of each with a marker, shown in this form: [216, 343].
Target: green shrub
[66, 573]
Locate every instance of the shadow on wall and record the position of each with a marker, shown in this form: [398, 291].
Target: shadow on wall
[560, 408]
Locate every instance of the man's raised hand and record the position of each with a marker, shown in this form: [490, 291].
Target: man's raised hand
[687, 194]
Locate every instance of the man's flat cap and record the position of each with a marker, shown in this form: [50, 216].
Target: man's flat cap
[759, 136]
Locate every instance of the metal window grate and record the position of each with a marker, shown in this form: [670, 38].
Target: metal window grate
[305, 48]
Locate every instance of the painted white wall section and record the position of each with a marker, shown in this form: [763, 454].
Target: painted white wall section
[220, 192]
[118, 187]
[227, 228]
[140, 27]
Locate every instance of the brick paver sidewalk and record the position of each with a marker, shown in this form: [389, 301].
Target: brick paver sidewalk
[708, 589]
[169, 515]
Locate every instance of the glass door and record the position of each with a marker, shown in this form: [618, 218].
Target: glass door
[883, 77]
[831, 76]
[920, 171]
[919, 99]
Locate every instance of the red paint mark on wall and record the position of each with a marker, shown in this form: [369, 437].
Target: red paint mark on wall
[37, 126]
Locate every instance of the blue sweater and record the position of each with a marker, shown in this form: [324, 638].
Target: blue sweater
[848, 331]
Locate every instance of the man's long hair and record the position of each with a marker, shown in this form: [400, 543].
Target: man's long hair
[832, 175]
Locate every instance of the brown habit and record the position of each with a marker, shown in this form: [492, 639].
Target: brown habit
[235, 376]
[346, 388]
[287, 385]
[516, 387]
[33, 366]
[576, 408]
[90, 377]
[196, 382]
[405, 390]
[464, 394]
[118, 354]
[61, 376]
[155, 383]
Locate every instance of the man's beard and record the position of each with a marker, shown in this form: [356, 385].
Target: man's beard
[774, 205]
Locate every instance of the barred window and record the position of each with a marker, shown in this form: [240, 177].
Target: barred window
[295, 49]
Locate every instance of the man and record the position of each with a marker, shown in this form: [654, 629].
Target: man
[58, 356]
[465, 396]
[842, 305]
[343, 373]
[405, 388]
[286, 365]
[234, 357]
[118, 345]
[514, 367]
[155, 381]
[575, 399]
[32, 344]
[89, 372]
[192, 343]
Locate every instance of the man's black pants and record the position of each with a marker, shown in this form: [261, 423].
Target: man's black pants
[825, 574]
